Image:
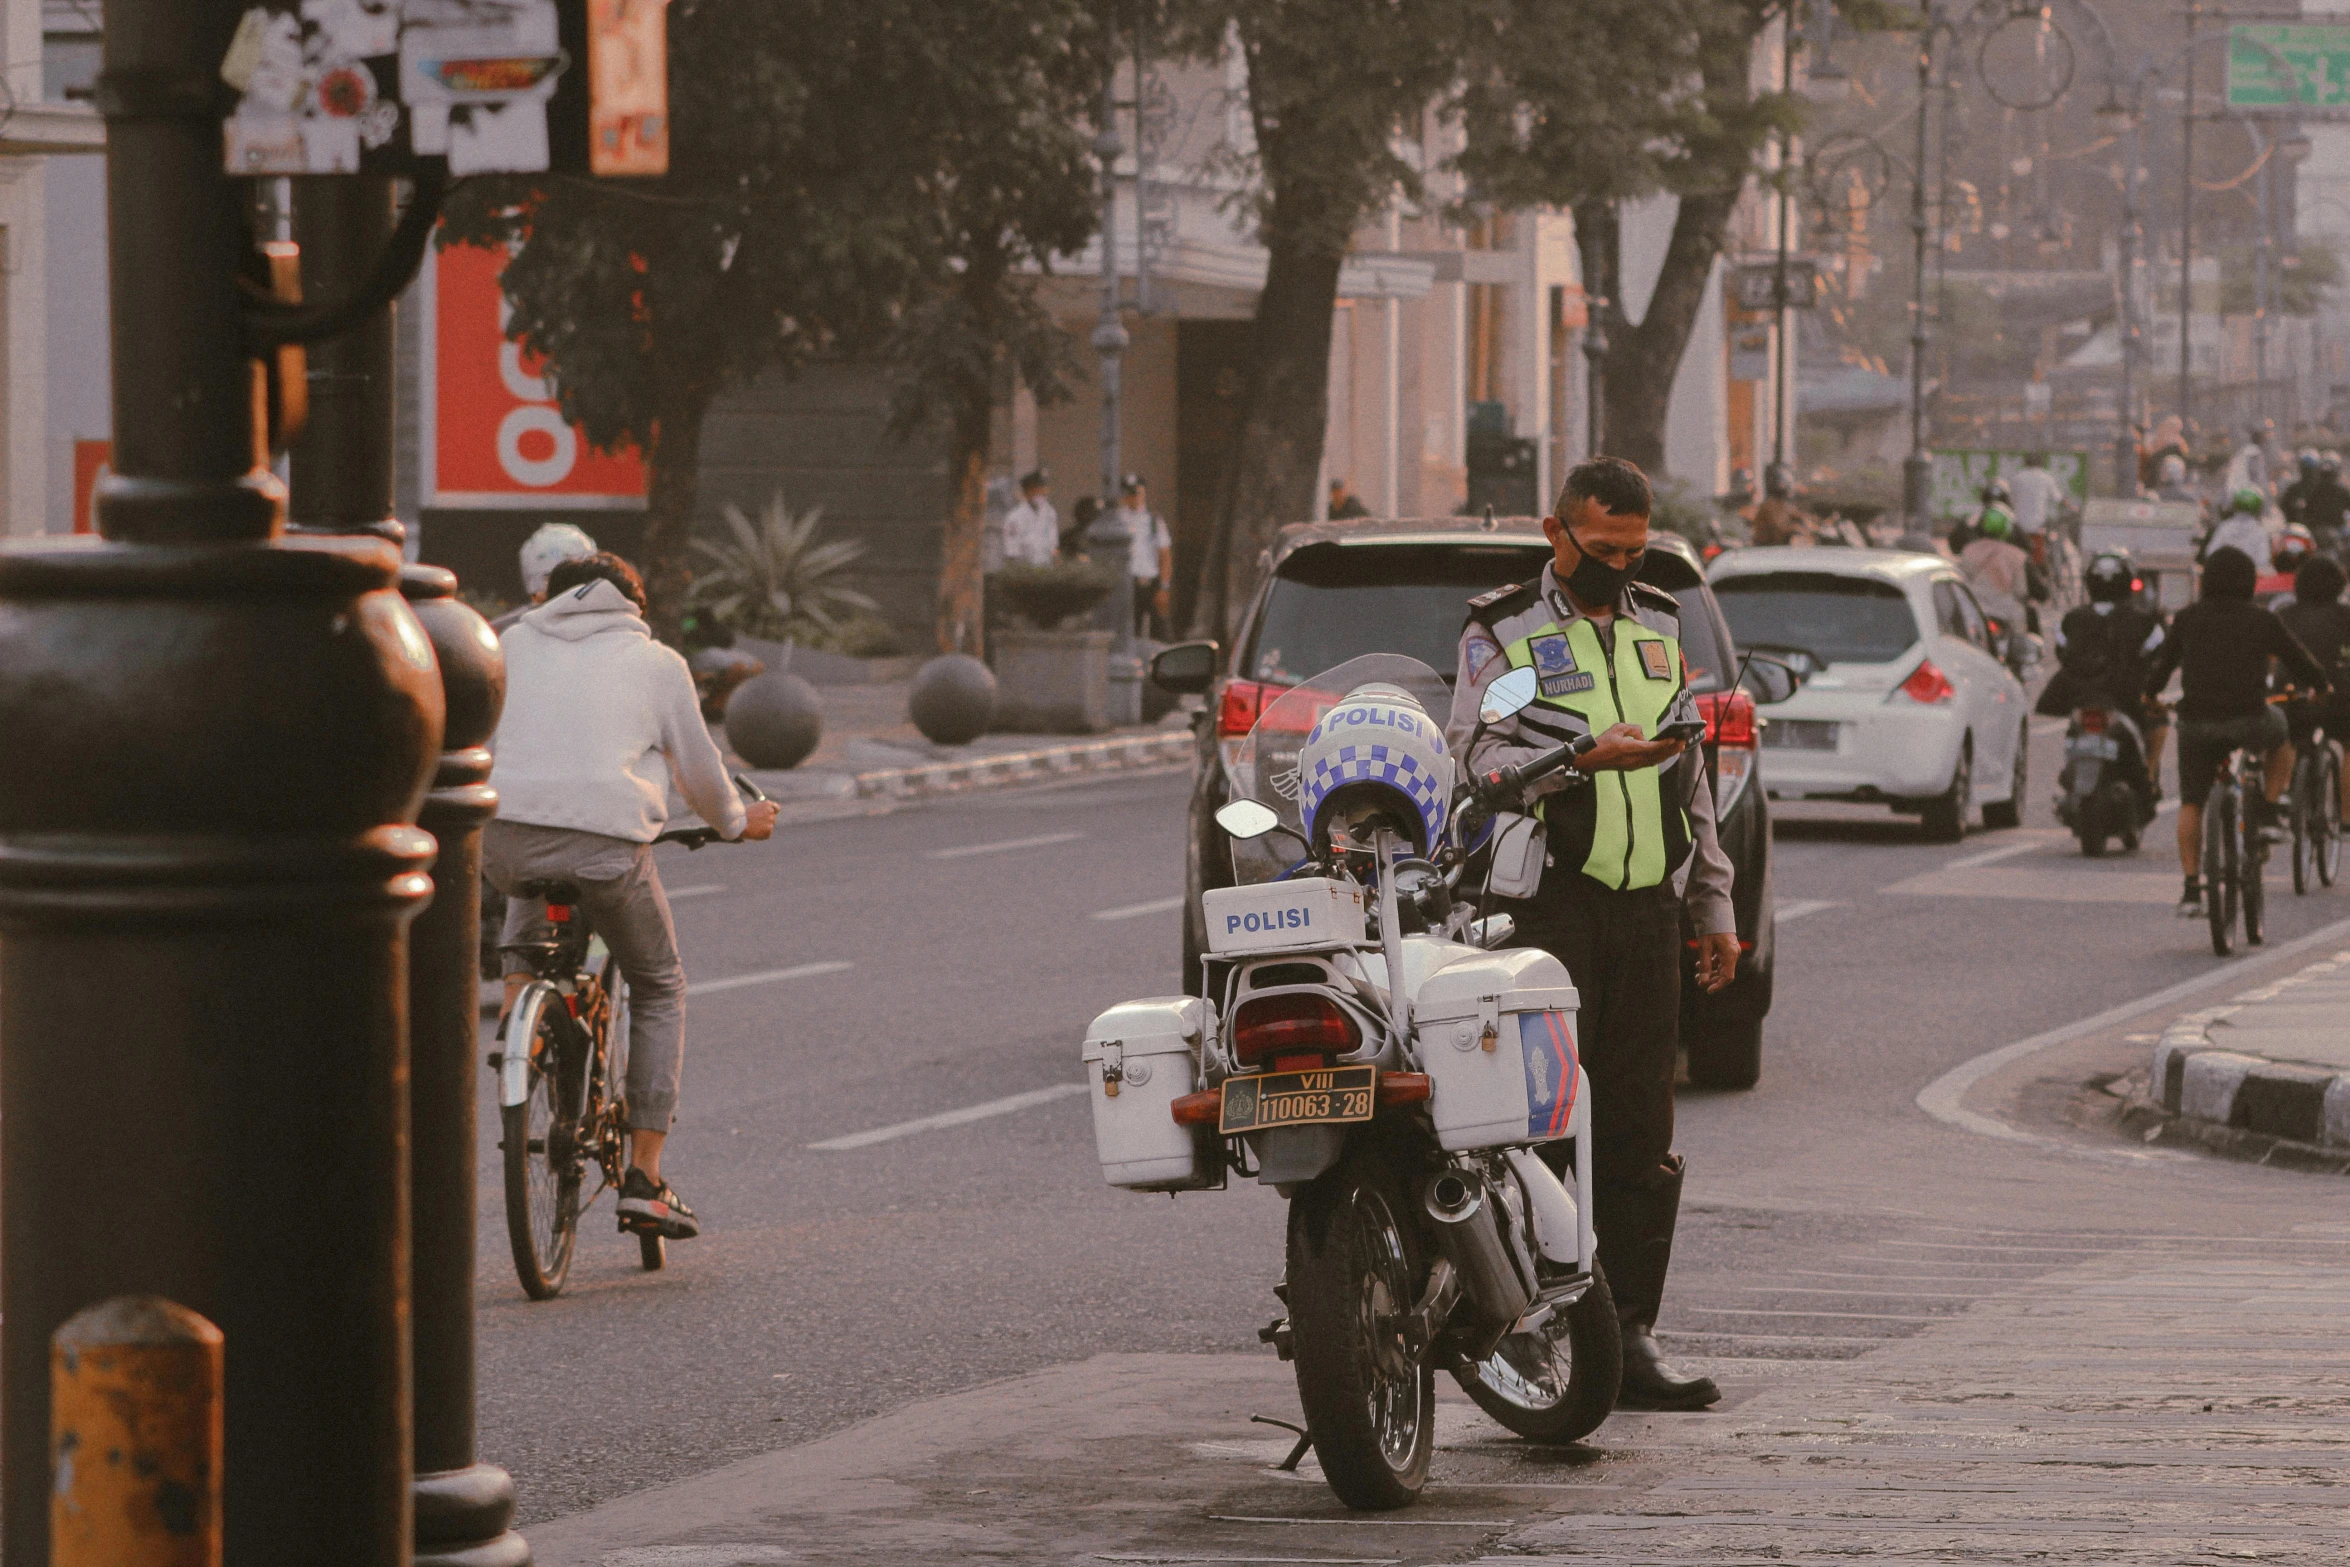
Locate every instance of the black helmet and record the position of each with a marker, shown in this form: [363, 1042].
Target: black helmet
[1779, 481]
[2111, 577]
[1997, 490]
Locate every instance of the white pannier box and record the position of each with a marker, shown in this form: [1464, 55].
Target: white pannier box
[1278, 916]
[1140, 1057]
[1497, 1040]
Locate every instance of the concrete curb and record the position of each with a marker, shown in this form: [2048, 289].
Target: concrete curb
[2246, 1104]
[1020, 767]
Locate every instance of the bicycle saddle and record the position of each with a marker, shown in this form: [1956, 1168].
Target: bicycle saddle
[551, 891]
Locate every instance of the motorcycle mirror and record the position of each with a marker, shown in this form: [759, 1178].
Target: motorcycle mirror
[1246, 819]
[1769, 680]
[1508, 696]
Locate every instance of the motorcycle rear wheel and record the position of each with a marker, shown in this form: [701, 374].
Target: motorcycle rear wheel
[1556, 1384]
[1356, 1269]
[2090, 826]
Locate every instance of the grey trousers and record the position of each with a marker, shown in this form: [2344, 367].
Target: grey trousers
[621, 894]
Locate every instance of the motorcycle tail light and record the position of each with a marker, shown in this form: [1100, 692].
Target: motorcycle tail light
[558, 913]
[1729, 717]
[1928, 686]
[2093, 720]
[1292, 1023]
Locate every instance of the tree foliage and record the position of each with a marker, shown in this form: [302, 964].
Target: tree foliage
[840, 171]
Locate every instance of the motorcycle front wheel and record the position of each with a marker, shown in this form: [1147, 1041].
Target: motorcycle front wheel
[1367, 1386]
[1557, 1383]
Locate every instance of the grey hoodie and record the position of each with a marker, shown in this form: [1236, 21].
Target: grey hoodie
[599, 719]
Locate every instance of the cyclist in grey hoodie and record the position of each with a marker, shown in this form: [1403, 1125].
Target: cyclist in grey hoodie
[600, 719]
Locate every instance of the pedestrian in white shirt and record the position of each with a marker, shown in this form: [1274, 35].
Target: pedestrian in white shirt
[2037, 495]
[1152, 561]
[1032, 529]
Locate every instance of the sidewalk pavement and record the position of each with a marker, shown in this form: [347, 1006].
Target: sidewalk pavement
[2265, 1077]
[2152, 1405]
[872, 751]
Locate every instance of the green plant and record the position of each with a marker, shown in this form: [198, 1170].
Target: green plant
[1045, 596]
[777, 580]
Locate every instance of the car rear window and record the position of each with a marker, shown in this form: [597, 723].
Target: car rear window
[1835, 619]
[1333, 602]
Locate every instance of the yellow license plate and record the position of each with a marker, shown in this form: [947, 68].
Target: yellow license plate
[1317, 1098]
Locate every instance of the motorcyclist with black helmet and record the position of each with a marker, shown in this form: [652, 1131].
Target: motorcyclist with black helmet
[2104, 649]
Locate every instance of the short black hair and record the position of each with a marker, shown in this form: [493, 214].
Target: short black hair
[1034, 479]
[1619, 487]
[2227, 574]
[2319, 580]
[602, 566]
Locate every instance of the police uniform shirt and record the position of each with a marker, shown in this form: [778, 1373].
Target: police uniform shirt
[1544, 613]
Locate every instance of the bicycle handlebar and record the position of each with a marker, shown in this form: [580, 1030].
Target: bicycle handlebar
[697, 838]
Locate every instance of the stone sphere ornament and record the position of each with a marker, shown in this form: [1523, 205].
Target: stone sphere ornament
[953, 699]
[774, 720]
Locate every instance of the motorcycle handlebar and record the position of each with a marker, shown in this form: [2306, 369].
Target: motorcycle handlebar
[1503, 785]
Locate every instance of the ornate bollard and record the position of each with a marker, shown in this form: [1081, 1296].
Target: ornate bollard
[218, 739]
[462, 1507]
[135, 1423]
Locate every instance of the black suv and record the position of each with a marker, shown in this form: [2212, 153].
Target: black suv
[1338, 590]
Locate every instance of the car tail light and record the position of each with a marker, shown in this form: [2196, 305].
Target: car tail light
[2093, 720]
[1298, 1021]
[1237, 713]
[1928, 686]
[1729, 717]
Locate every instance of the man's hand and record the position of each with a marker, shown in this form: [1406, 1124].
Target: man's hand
[1623, 749]
[759, 820]
[1717, 959]
[1163, 601]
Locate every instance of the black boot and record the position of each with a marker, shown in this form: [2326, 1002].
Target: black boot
[1635, 1226]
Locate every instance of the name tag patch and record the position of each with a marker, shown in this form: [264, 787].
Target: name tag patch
[1656, 658]
[1552, 656]
[1568, 685]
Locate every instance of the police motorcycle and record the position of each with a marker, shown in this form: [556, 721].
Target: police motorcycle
[1380, 1056]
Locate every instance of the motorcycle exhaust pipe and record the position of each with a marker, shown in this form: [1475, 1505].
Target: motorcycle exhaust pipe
[1468, 1232]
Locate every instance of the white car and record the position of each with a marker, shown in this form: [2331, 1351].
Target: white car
[1903, 702]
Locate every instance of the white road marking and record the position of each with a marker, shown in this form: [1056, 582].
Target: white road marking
[702, 891]
[2048, 726]
[1842, 1316]
[1944, 1098]
[1802, 906]
[805, 971]
[2006, 851]
[1137, 910]
[1408, 1523]
[1005, 847]
[969, 1113]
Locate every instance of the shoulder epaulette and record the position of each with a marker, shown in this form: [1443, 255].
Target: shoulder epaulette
[1502, 602]
[1656, 597]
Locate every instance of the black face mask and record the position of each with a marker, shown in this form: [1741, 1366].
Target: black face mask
[1594, 581]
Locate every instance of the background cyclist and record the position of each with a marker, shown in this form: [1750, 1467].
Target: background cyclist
[600, 720]
[2320, 622]
[2221, 645]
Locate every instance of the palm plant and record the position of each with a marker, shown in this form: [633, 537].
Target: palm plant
[776, 579]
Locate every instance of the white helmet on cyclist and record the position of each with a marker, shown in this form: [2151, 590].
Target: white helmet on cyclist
[551, 546]
[1377, 749]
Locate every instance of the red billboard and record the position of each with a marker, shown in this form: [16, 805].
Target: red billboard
[491, 434]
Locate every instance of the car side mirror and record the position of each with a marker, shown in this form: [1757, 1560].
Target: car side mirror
[1508, 696]
[1769, 680]
[1187, 668]
[1247, 819]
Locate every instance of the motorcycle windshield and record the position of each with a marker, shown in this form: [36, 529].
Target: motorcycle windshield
[1264, 769]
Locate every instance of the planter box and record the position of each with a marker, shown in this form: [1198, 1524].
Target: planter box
[1052, 682]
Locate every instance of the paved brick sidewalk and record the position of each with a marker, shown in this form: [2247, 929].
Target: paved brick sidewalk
[2266, 1076]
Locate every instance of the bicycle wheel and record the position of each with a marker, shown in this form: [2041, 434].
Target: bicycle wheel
[540, 1138]
[2329, 814]
[2252, 871]
[2220, 848]
[2304, 822]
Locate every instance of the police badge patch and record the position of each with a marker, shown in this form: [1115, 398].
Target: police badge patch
[1656, 658]
[1552, 656]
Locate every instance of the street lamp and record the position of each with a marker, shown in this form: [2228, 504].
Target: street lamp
[1109, 542]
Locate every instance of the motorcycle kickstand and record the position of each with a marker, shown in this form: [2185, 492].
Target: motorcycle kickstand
[1297, 1454]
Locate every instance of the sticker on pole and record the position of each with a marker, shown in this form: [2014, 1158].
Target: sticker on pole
[455, 86]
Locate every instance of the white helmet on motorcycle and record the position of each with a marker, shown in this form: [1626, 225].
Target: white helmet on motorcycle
[1377, 749]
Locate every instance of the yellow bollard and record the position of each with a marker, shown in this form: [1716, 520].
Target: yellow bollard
[135, 1437]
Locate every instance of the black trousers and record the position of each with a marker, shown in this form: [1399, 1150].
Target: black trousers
[1623, 950]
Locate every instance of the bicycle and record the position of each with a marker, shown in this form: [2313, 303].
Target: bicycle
[2235, 855]
[2317, 810]
[562, 1066]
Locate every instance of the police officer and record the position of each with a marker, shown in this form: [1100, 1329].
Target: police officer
[1630, 835]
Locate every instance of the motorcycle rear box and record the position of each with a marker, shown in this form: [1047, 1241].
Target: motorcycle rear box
[1497, 1040]
[1140, 1057]
[1276, 916]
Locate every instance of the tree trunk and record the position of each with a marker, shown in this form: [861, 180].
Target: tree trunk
[682, 399]
[1642, 360]
[1599, 235]
[1285, 415]
[961, 590]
